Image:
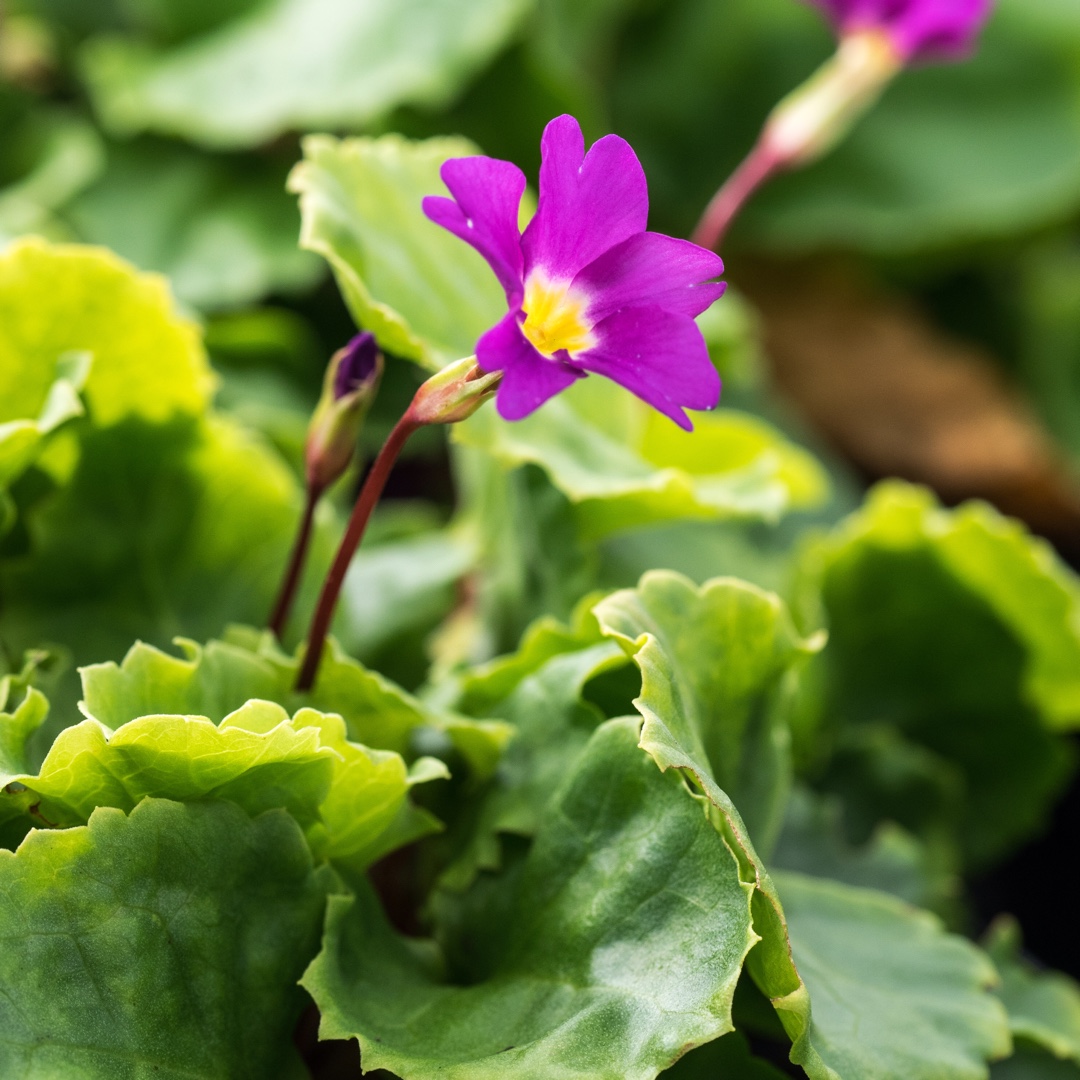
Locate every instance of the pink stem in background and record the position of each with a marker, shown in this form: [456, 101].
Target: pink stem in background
[760, 164]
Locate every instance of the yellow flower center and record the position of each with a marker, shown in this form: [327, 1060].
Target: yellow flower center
[555, 317]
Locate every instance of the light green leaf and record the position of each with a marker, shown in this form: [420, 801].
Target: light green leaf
[715, 666]
[422, 292]
[1043, 1006]
[299, 64]
[57, 299]
[956, 634]
[224, 233]
[215, 680]
[16, 727]
[167, 943]
[183, 758]
[614, 947]
[894, 996]
[623, 465]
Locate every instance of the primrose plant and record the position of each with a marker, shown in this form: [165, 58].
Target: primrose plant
[691, 830]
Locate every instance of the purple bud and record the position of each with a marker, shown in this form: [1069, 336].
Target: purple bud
[359, 362]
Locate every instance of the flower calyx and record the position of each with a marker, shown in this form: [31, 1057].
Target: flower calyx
[453, 394]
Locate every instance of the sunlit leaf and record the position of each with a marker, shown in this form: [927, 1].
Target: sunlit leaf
[612, 948]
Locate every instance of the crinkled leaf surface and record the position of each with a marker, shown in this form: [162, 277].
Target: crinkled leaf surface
[421, 291]
[740, 644]
[223, 231]
[1043, 1006]
[62, 299]
[616, 945]
[894, 996]
[954, 644]
[184, 758]
[166, 943]
[217, 679]
[721, 662]
[624, 465]
[299, 64]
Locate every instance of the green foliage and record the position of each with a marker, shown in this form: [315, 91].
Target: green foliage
[166, 943]
[223, 231]
[422, 292]
[297, 64]
[59, 300]
[622, 465]
[893, 995]
[613, 947]
[954, 654]
[1043, 1006]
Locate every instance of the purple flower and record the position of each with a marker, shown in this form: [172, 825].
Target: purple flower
[917, 28]
[356, 365]
[588, 289]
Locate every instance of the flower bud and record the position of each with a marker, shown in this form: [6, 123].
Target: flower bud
[453, 394]
[351, 382]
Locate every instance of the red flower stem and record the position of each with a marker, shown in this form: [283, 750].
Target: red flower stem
[283, 606]
[365, 504]
[760, 164]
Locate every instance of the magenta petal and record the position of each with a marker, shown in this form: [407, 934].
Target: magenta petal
[651, 269]
[659, 356]
[588, 202]
[484, 213]
[529, 379]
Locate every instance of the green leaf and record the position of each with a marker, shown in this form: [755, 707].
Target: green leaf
[215, 680]
[894, 996]
[1003, 158]
[1043, 1006]
[718, 666]
[715, 667]
[615, 946]
[183, 758]
[21, 441]
[157, 530]
[422, 292]
[552, 723]
[892, 860]
[165, 943]
[16, 727]
[954, 646]
[623, 465]
[222, 231]
[61, 299]
[298, 64]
